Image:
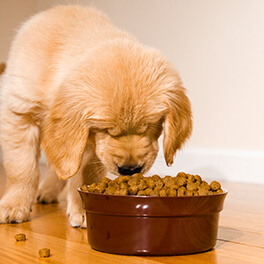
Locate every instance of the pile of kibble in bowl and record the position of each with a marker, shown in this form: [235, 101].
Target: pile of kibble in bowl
[182, 185]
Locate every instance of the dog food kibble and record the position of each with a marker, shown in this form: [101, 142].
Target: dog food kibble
[133, 189]
[44, 253]
[215, 185]
[20, 237]
[181, 185]
[181, 191]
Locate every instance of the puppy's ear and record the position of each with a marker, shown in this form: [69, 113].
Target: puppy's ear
[64, 136]
[178, 122]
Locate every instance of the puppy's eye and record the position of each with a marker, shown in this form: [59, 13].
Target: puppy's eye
[98, 130]
[113, 132]
[142, 129]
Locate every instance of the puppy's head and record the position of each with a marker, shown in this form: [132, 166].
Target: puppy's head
[128, 152]
[118, 101]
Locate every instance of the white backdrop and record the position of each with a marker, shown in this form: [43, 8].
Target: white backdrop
[218, 48]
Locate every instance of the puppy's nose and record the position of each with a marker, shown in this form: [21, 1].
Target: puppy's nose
[128, 170]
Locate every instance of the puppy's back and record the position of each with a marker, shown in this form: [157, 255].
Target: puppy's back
[52, 42]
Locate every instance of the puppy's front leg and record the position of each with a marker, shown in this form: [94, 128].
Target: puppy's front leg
[50, 187]
[20, 145]
[75, 211]
[91, 170]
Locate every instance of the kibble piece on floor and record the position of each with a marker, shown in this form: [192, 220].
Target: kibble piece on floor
[20, 237]
[44, 253]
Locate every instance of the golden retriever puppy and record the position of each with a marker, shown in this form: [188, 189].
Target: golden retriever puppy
[93, 98]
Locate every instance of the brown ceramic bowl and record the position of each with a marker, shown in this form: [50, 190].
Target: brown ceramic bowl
[143, 225]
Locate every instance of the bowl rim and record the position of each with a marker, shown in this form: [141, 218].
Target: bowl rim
[150, 206]
[225, 192]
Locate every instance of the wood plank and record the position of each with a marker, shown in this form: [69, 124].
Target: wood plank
[240, 236]
[66, 251]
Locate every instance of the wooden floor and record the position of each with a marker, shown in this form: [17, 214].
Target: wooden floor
[240, 237]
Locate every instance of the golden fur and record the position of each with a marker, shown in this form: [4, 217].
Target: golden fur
[93, 98]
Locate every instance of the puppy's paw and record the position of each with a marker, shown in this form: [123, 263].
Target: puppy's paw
[49, 190]
[78, 219]
[13, 214]
[46, 196]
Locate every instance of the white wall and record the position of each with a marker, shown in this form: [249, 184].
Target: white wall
[12, 14]
[218, 48]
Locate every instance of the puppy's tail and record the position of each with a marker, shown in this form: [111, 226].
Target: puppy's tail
[2, 68]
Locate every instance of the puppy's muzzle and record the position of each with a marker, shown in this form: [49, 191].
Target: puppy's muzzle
[128, 170]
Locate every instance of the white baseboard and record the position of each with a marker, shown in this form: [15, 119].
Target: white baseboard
[230, 165]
